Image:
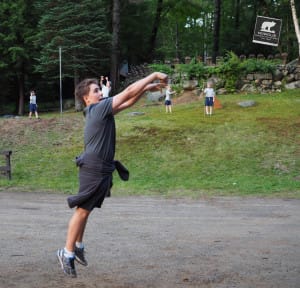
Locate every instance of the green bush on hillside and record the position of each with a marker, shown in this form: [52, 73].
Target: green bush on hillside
[231, 69]
[258, 65]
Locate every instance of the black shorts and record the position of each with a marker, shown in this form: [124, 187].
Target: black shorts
[98, 197]
[209, 101]
[92, 189]
[32, 107]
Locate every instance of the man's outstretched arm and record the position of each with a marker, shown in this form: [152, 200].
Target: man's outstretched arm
[133, 92]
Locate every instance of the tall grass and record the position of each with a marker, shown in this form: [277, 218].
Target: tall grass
[236, 151]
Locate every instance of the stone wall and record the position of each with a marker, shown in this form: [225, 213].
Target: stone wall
[285, 77]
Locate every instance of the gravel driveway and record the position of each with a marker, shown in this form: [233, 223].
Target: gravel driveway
[153, 242]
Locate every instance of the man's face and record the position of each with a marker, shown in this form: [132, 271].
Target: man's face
[94, 96]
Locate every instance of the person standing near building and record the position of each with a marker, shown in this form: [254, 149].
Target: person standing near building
[32, 105]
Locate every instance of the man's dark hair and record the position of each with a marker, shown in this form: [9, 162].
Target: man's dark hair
[83, 88]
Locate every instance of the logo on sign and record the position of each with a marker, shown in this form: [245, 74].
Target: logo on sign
[266, 26]
[267, 31]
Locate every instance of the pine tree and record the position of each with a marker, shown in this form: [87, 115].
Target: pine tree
[18, 21]
[79, 28]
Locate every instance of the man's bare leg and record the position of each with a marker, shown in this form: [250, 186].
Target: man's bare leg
[76, 228]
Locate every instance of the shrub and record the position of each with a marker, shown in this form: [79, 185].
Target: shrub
[230, 70]
[162, 68]
[193, 70]
[258, 65]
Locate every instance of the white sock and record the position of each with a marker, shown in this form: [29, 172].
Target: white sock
[79, 245]
[68, 254]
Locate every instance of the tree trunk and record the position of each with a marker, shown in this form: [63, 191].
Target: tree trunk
[237, 15]
[177, 41]
[78, 104]
[217, 17]
[296, 25]
[155, 30]
[115, 55]
[20, 78]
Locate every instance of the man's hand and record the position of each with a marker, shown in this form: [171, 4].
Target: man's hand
[162, 77]
[152, 87]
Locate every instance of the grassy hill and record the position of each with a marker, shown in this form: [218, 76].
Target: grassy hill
[236, 151]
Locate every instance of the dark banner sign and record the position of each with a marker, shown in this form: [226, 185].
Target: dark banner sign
[267, 31]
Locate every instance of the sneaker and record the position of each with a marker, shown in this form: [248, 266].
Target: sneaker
[80, 256]
[67, 264]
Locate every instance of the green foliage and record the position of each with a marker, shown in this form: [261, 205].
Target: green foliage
[162, 68]
[258, 65]
[231, 69]
[193, 70]
[230, 64]
[32, 31]
[186, 29]
[236, 151]
[18, 20]
[137, 19]
[80, 30]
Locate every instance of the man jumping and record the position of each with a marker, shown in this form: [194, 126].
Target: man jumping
[96, 164]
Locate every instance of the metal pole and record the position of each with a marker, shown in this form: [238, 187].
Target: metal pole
[60, 81]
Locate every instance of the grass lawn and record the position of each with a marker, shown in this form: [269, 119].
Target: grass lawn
[237, 151]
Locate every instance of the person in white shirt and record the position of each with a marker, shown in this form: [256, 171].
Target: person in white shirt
[210, 94]
[105, 86]
[168, 101]
[32, 105]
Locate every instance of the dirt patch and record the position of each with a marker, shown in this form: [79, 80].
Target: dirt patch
[139, 242]
[282, 127]
[23, 131]
[186, 97]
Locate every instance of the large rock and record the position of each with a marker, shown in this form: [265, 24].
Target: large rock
[249, 88]
[277, 84]
[278, 75]
[156, 96]
[263, 76]
[290, 78]
[248, 103]
[221, 91]
[297, 76]
[189, 84]
[293, 85]
[136, 113]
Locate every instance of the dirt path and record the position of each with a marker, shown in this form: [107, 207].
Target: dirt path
[152, 242]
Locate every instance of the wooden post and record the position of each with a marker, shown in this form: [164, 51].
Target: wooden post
[7, 168]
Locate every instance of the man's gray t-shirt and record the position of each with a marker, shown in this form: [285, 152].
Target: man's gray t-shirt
[100, 131]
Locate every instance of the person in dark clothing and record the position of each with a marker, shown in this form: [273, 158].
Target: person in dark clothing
[96, 164]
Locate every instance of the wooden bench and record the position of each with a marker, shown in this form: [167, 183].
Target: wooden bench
[6, 170]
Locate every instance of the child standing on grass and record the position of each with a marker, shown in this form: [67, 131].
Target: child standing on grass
[210, 95]
[168, 101]
[32, 105]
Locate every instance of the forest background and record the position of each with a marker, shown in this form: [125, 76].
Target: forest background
[97, 37]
